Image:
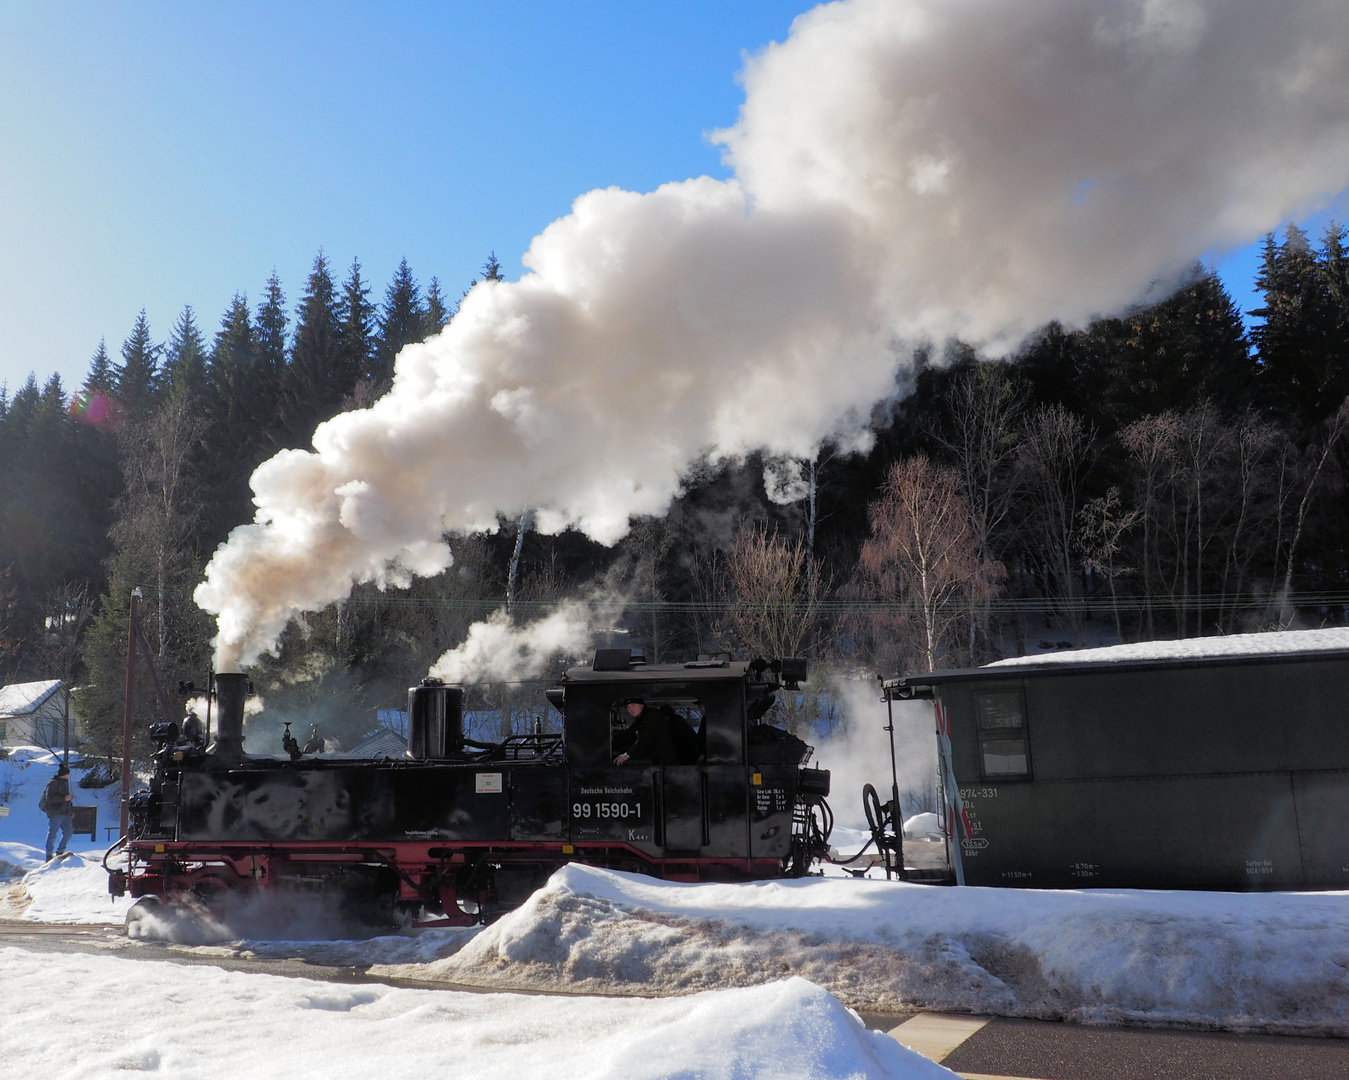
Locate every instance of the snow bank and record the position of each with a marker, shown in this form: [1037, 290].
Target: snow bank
[1268, 962]
[74, 889]
[179, 1018]
[1287, 641]
[71, 889]
[926, 826]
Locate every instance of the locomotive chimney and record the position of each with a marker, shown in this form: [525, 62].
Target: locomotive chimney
[230, 692]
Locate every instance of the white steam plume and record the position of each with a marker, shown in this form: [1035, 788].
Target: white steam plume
[198, 707]
[784, 481]
[496, 650]
[861, 754]
[904, 170]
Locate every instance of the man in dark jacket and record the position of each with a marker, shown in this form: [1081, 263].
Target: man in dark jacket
[57, 802]
[663, 736]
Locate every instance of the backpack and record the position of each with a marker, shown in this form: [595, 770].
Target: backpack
[46, 803]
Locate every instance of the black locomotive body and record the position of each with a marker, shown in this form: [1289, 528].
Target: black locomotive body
[457, 830]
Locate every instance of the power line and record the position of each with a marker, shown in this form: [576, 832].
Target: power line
[1038, 605]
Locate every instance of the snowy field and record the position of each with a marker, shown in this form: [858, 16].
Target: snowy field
[74, 889]
[1240, 962]
[1272, 962]
[178, 1021]
[1275, 962]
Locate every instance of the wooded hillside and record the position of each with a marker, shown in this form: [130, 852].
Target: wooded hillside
[1158, 474]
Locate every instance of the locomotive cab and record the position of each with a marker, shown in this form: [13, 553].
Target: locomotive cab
[733, 799]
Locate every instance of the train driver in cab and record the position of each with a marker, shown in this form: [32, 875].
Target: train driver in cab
[662, 736]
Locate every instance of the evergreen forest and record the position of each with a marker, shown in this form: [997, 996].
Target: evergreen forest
[1164, 473]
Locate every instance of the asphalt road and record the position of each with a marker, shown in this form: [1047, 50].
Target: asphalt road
[1028, 1048]
[999, 1048]
[1037, 1050]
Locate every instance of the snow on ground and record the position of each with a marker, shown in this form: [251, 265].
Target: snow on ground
[23, 775]
[73, 889]
[178, 1021]
[1242, 962]
[1286, 641]
[924, 847]
[1274, 962]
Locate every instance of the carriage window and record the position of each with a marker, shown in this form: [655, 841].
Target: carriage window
[1004, 745]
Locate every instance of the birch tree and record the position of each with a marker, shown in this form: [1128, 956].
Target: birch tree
[923, 557]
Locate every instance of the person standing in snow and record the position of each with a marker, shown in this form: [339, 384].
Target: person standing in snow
[56, 801]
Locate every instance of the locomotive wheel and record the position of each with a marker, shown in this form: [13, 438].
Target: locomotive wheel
[145, 907]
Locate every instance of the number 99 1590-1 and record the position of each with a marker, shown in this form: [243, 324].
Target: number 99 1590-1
[620, 810]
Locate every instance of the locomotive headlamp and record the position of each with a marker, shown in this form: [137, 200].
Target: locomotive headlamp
[793, 672]
[814, 782]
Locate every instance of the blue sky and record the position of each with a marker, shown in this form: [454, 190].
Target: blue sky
[157, 154]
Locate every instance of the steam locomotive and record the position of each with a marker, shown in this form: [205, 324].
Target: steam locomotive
[690, 786]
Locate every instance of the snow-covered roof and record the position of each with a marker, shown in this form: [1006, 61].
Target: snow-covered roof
[1286, 641]
[22, 699]
[383, 743]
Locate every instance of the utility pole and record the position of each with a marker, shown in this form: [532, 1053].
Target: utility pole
[129, 703]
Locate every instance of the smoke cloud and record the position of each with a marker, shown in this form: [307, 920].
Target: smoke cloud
[784, 482]
[497, 650]
[198, 707]
[904, 171]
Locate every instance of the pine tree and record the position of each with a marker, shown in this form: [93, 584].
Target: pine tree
[1304, 340]
[185, 361]
[491, 271]
[231, 385]
[137, 380]
[314, 385]
[270, 341]
[357, 344]
[1187, 349]
[158, 517]
[101, 375]
[402, 320]
[240, 419]
[54, 500]
[437, 314]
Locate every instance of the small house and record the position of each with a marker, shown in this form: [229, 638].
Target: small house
[36, 714]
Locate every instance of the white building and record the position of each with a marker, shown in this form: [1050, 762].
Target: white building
[35, 714]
